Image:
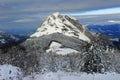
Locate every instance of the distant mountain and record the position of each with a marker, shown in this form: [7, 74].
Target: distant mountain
[116, 42]
[7, 39]
[112, 30]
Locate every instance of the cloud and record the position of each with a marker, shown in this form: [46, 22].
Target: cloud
[3, 17]
[24, 20]
[56, 5]
[113, 21]
[15, 13]
[10, 1]
[98, 12]
[69, 6]
[88, 16]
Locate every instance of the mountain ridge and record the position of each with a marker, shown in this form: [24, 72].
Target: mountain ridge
[7, 39]
[57, 23]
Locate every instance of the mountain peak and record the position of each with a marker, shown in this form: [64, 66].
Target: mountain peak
[57, 23]
[56, 14]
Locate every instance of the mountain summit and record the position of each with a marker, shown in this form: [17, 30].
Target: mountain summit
[69, 26]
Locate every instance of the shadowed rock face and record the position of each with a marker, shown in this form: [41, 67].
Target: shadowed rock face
[80, 27]
[66, 41]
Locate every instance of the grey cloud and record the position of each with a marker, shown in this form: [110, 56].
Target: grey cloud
[18, 12]
[24, 20]
[59, 5]
[113, 21]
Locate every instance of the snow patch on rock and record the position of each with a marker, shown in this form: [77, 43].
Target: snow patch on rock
[56, 47]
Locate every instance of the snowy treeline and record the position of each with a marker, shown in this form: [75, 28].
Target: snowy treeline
[92, 58]
[31, 56]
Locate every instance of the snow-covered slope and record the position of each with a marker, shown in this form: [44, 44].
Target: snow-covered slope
[66, 25]
[9, 72]
[72, 76]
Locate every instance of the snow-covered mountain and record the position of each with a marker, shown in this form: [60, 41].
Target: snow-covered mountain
[66, 31]
[6, 39]
[66, 35]
[63, 44]
[57, 23]
[62, 39]
[111, 30]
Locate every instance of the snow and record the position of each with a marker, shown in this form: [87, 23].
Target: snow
[2, 41]
[81, 35]
[55, 47]
[9, 72]
[114, 21]
[72, 76]
[55, 24]
[91, 47]
[115, 39]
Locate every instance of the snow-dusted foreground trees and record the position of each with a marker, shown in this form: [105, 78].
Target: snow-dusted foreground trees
[93, 58]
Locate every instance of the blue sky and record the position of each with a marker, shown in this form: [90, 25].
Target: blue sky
[28, 14]
[115, 10]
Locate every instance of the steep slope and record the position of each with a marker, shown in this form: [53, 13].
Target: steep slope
[9, 72]
[66, 25]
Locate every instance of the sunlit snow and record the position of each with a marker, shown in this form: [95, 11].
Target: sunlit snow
[56, 48]
[55, 24]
